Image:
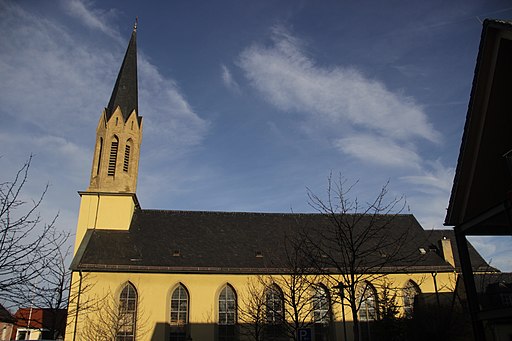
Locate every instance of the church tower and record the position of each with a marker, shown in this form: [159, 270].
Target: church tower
[119, 133]
[110, 200]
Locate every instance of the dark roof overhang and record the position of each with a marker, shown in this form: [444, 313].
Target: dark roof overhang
[480, 197]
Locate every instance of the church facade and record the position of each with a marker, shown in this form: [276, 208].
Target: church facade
[141, 274]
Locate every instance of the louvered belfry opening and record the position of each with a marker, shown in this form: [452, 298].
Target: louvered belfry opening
[113, 157]
[126, 158]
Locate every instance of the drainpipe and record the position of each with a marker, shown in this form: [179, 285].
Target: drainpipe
[77, 303]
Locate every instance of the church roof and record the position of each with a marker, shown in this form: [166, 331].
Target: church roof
[125, 90]
[227, 242]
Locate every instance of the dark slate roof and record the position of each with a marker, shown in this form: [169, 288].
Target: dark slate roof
[125, 93]
[222, 242]
[477, 261]
[6, 316]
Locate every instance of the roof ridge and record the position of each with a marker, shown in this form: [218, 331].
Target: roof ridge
[263, 213]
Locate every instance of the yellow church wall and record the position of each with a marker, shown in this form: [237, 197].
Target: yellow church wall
[154, 293]
[104, 211]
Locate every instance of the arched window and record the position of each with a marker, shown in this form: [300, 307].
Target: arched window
[321, 312]
[411, 290]
[227, 314]
[127, 321]
[126, 161]
[274, 312]
[274, 305]
[99, 156]
[368, 303]
[179, 313]
[113, 156]
[320, 305]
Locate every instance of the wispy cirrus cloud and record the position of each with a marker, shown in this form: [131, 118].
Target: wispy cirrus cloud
[228, 80]
[92, 18]
[292, 81]
[379, 150]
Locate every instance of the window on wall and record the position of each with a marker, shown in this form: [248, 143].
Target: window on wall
[368, 305]
[113, 157]
[274, 312]
[227, 314]
[411, 290]
[320, 305]
[321, 311]
[127, 314]
[179, 313]
[99, 157]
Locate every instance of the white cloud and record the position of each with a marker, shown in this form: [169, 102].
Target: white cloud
[379, 150]
[91, 18]
[292, 81]
[228, 80]
[438, 178]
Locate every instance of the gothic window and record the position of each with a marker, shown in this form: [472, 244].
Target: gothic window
[274, 305]
[113, 156]
[227, 314]
[320, 305]
[274, 313]
[99, 157]
[127, 149]
[411, 290]
[179, 313]
[368, 303]
[321, 312]
[127, 314]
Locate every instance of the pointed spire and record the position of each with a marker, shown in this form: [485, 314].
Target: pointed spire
[125, 94]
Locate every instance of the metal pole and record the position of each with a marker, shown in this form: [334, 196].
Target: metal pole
[434, 274]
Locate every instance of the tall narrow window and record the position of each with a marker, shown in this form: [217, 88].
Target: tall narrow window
[227, 314]
[274, 313]
[368, 305]
[126, 162]
[411, 290]
[179, 314]
[321, 311]
[113, 156]
[126, 324]
[99, 157]
[320, 305]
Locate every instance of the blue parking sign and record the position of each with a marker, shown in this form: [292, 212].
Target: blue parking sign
[304, 334]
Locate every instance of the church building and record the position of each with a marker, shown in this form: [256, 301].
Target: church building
[142, 274]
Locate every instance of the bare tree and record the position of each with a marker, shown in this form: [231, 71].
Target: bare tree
[358, 244]
[112, 319]
[253, 310]
[28, 247]
[298, 285]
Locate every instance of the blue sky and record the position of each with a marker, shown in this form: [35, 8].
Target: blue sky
[247, 103]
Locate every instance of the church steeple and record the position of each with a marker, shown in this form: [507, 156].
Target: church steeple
[119, 132]
[124, 94]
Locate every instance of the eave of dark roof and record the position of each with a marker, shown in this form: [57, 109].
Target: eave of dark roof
[464, 173]
[125, 92]
[222, 242]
